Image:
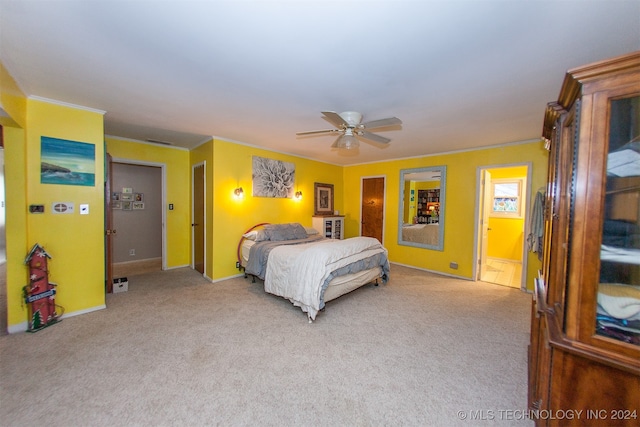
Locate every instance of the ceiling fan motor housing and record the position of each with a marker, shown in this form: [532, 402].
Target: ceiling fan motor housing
[352, 117]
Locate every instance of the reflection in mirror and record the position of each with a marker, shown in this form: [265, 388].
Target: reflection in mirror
[422, 202]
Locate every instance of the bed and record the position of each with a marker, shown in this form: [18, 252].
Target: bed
[421, 233]
[308, 269]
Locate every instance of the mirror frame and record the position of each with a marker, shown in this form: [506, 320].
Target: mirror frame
[443, 204]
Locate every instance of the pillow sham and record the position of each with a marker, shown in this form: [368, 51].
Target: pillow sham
[291, 231]
[256, 235]
[311, 231]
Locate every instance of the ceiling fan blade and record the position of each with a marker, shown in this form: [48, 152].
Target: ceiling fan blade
[373, 137]
[335, 119]
[317, 132]
[374, 124]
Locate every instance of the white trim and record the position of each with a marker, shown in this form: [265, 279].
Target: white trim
[204, 141]
[24, 326]
[66, 104]
[137, 141]
[163, 172]
[18, 327]
[222, 279]
[260, 147]
[527, 217]
[384, 202]
[464, 150]
[178, 266]
[204, 191]
[456, 276]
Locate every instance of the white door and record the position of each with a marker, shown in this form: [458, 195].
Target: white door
[485, 200]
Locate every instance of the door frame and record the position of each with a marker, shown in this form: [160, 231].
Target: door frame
[204, 216]
[163, 191]
[384, 202]
[478, 211]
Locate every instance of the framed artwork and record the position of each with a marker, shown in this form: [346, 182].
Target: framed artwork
[116, 205]
[126, 206]
[67, 162]
[138, 206]
[272, 178]
[323, 199]
[138, 197]
[126, 197]
[115, 196]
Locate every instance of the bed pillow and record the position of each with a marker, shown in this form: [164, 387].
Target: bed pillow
[291, 231]
[257, 235]
[311, 231]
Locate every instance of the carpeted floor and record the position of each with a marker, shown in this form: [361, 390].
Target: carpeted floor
[422, 350]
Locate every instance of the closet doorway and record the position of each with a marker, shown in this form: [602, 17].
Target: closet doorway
[198, 224]
[372, 207]
[138, 193]
[502, 220]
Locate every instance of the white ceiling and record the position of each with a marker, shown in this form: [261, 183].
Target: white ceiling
[460, 74]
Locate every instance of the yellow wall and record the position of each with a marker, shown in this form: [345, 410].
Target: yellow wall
[507, 234]
[178, 185]
[232, 168]
[15, 221]
[461, 197]
[75, 242]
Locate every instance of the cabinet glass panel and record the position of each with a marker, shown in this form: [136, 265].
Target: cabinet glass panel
[618, 309]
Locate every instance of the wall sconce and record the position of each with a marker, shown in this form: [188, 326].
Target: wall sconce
[238, 193]
[298, 195]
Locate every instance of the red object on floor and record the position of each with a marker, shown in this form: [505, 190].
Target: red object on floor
[39, 294]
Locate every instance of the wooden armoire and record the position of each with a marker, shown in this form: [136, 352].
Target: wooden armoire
[584, 354]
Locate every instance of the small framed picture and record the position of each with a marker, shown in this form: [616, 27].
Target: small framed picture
[138, 206]
[126, 206]
[116, 205]
[126, 197]
[139, 197]
[127, 190]
[115, 196]
[323, 197]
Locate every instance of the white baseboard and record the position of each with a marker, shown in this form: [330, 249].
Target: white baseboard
[24, 326]
[431, 271]
[178, 266]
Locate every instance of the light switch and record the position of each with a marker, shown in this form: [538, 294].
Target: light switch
[84, 209]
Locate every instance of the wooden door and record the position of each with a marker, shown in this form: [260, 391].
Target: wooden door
[109, 231]
[372, 207]
[198, 224]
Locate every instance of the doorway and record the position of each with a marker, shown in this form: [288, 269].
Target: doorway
[502, 221]
[198, 224]
[372, 207]
[138, 194]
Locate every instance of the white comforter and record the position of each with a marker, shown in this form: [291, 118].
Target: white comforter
[298, 272]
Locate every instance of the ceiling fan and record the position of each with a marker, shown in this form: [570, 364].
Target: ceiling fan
[350, 127]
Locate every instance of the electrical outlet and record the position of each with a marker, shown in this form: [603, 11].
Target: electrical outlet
[453, 265]
[237, 264]
[132, 252]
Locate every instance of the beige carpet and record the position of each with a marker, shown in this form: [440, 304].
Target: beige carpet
[422, 350]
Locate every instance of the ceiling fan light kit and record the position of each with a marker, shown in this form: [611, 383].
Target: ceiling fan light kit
[349, 125]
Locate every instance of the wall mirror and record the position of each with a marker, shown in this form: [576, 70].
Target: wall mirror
[422, 203]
